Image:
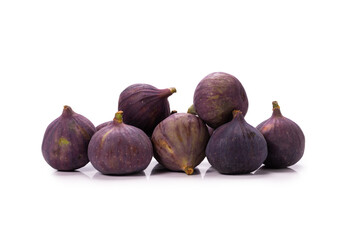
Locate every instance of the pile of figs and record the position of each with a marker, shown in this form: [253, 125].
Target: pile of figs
[144, 127]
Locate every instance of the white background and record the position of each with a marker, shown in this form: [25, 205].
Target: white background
[304, 54]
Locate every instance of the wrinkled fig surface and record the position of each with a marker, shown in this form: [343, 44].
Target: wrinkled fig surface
[236, 147]
[145, 106]
[285, 140]
[180, 141]
[66, 140]
[216, 96]
[119, 149]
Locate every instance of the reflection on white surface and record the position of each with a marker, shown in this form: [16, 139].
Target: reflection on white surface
[157, 171]
[262, 172]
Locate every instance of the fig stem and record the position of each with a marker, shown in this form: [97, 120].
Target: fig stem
[188, 170]
[118, 117]
[276, 109]
[67, 112]
[236, 112]
[192, 110]
[173, 90]
[275, 104]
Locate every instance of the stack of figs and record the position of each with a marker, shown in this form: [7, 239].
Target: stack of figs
[145, 127]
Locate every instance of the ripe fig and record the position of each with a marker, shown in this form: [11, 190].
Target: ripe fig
[66, 140]
[285, 140]
[119, 149]
[145, 106]
[107, 123]
[180, 141]
[236, 147]
[216, 96]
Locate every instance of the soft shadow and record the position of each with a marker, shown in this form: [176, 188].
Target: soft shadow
[158, 169]
[276, 170]
[213, 173]
[87, 168]
[103, 177]
[76, 173]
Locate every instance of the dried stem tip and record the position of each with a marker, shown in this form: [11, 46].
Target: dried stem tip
[173, 90]
[275, 104]
[188, 170]
[236, 112]
[67, 111]
[118, 116]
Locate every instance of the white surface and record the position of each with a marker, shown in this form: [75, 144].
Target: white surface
[304, 54]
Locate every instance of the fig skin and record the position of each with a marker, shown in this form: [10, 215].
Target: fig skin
[145, 106]
[180, 141]
[285, 140]
[216, 96]
[192, 110]
[236, 147]
[66, 140]
[102, 125]
[120, 149]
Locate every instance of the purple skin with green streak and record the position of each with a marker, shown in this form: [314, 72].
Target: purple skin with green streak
[66, 140]
[120, 149]
[145, 106]
[216, 96]
[236, 147]
[180, 141]
[285, 140]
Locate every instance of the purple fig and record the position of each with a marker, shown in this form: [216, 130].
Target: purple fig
[66, 140]
[145, 106]
[216, 96]
[285, 140]
[180, 141]
[107, 123]
[119, 149]
[236, 147]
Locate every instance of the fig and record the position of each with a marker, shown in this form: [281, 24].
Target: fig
[236, 147]
[120, 149]
[179, 142]
[216, 96]
[285, 140]
[107, 123]
[66, 140]
[145, 106]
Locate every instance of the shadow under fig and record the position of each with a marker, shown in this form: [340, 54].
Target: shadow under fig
[75, 173]
[278, 170]
[138, 175]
